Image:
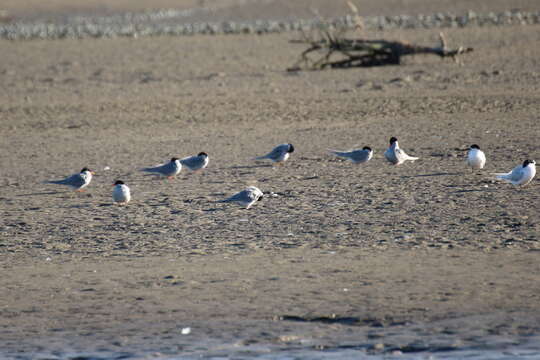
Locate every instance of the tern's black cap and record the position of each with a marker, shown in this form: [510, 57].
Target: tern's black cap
[202, 154]
[291, 148]
[393, 140]
[119, 182]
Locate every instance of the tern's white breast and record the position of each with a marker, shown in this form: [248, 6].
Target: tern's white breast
[282, 157]
[476, 158]
[528, 174]
[121, 193]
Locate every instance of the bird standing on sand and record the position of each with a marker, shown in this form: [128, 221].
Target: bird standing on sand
[279, 154]
[246, 197]
[521, 174]
[168, 170]
[121, 194]
[357, 156]
[76, 181]
[195, 163]
[476, 157]
[395, 155]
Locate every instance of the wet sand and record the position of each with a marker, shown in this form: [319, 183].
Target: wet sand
[427, 251]
[411, 301]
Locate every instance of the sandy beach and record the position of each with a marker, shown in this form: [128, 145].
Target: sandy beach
[425, 256]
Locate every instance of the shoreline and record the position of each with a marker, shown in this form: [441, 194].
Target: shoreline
[476, 301]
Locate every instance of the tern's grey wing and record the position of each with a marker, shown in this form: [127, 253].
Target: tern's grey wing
[152, 168]
[516, 174]
[193, 162]
[345, 154]
[390, 155]
[276, 152]
[75, 180]
[241, 196]
[161, 169]
[359, 156]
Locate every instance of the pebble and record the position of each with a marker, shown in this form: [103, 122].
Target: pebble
[166, 22]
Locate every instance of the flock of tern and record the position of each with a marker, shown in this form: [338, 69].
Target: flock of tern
[521, 175]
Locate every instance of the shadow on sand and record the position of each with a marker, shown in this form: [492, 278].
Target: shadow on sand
[434, 174]
[256, 166]
[44, 193]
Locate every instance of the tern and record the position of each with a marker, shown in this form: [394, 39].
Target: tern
[521, 175]
[169, 170]
[357, 156]
[279, 154]
[195, 163]
[76, 181]
[395, 155]
[121, 194]
[246, 197]
[476, 157]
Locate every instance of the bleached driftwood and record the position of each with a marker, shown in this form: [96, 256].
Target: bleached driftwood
[337, 51]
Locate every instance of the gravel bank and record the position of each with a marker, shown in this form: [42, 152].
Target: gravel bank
[169, 22]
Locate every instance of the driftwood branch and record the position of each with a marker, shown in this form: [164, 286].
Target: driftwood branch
[365, 53]
[331, 49]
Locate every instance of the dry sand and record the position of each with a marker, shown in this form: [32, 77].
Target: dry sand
[427, 251]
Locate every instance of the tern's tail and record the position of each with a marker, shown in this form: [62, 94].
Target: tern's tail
[150, 170]
[57, 182]
[412, 158]
[261, 157]
[338, 153]
[501, 176]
